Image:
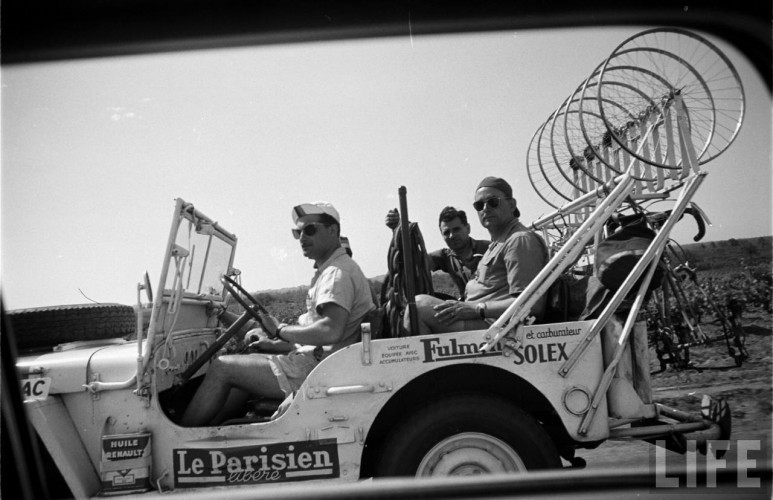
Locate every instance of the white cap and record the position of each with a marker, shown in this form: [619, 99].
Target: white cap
[316, 208]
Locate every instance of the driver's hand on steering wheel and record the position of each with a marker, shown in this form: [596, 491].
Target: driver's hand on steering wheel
[257, 341]
[270, 325]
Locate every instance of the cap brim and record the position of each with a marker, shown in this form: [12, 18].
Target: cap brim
[305, 209]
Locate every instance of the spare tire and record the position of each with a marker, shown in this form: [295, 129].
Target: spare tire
[49, 326]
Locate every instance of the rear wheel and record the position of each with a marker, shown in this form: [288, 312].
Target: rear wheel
[467, 435]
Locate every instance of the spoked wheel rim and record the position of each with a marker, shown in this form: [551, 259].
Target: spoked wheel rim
[539, 179]
[470, 454]
[666, 61]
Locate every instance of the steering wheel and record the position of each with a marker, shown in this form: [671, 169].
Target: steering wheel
[243, 297]
[250, 305]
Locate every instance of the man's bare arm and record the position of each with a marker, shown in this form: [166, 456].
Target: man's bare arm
[327, 330]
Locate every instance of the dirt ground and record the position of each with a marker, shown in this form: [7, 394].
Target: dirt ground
[747, 389]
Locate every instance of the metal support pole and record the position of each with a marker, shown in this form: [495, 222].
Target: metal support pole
[660, 240]
[609, 373]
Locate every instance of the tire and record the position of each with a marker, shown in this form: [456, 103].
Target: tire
[467, 435]
[49, 326]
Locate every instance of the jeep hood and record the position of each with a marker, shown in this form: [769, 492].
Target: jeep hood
[70, 369]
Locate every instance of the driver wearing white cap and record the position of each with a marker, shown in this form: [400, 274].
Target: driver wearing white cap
[338, 299]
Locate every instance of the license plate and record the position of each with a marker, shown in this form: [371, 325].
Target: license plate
[35, 389]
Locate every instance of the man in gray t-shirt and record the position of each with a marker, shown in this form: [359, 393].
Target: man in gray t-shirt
[515, 257]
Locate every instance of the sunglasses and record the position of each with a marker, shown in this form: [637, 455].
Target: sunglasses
[309, 229]
[491, 203]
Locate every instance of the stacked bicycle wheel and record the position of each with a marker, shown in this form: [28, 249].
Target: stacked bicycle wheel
[664, 102]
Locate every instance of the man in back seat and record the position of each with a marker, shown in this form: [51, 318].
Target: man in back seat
[515, 257]
[463, 253]
[337, 301]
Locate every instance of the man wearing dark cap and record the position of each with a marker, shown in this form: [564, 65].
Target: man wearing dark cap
[463, 253]
[337, 301]
[515, 257]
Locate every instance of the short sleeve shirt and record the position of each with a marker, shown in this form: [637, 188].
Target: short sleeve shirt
[340, 281]
[461, 271]
[508, 266]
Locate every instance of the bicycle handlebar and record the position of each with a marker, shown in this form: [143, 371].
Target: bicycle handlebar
[696, 214]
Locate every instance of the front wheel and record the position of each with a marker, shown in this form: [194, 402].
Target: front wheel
[467, 435]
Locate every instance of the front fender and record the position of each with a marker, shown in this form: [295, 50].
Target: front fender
[61, 439]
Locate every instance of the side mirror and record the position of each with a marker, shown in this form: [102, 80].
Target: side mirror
[148, 288]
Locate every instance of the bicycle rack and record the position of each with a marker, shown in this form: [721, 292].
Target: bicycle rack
[664, 103]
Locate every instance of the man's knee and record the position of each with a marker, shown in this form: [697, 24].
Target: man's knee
[216, 365]
[225, 367]
[424, 310]
[425, 301]
[425, 307]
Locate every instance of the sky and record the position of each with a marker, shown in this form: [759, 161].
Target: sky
[94, 152]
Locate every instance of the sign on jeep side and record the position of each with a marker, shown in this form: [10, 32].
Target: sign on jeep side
[296, 461]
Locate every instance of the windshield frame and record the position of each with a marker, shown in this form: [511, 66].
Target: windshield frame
[178, 268]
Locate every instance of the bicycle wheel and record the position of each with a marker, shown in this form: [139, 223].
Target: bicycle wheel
[557, 191]
[543, 187]
[594, 113]
[570, 165]
[666, 64]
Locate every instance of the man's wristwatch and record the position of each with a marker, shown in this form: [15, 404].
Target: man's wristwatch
[279, 332]
[480, 308]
